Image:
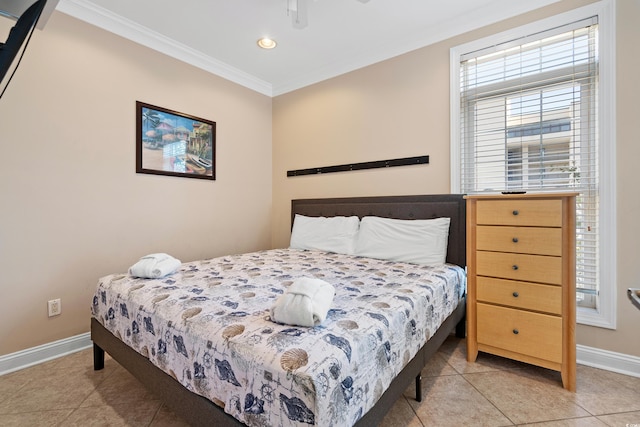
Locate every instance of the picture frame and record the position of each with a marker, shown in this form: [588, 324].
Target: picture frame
[174, 144]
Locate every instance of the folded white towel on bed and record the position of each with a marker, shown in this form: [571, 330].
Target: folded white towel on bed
[154, 266]
[305, 303]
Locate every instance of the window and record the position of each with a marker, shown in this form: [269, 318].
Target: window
[527, 114]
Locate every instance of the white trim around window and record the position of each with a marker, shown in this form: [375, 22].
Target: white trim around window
[605, 315]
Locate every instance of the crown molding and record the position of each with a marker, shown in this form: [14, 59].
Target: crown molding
[102, 18]
[495, 12]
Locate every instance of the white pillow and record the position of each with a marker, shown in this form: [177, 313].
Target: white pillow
[420, 241]
[332, 234]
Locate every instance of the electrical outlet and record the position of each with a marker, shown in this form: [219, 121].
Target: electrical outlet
[55, 307]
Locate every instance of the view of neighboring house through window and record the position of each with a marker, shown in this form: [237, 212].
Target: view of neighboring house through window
[529, 121]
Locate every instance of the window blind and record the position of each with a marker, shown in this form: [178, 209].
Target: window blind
[529, 112]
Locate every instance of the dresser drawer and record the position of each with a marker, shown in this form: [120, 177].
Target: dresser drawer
[531, 212]
[529, 268]
[534, 334]
[529, 296]
[524, 240]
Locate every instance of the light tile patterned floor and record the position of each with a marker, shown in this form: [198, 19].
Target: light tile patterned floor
[491, 392]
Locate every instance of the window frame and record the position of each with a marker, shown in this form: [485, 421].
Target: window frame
[605, 315]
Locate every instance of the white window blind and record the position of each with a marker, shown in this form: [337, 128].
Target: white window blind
[529, 121]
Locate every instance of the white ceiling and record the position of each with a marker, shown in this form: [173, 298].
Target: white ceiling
[342, 35]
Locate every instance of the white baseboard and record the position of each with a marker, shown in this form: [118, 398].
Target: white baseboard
[589, 356]
[42, 353]
[608, 360]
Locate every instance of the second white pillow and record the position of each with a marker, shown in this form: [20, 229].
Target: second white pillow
[421, 241]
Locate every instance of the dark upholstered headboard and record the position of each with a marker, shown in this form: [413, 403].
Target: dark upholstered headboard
[400, 207]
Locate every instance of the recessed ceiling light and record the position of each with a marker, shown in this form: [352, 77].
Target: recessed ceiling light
[267, 43]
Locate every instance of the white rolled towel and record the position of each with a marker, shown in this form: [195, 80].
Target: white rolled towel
[154, 266]
[305, 303]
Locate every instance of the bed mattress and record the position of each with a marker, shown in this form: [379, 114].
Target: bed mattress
[208, 326]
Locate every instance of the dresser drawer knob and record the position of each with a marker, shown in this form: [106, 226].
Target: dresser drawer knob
[515, 294]
[516, 332]
[515, 212]
[515, 267]
[514, 240]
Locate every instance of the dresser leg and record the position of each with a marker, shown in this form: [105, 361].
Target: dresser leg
[472, 350]
[569, 378]
[472, 356]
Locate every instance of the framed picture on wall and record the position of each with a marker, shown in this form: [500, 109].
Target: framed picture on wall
[174, 144]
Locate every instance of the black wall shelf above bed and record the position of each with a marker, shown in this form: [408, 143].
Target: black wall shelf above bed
[405, 161]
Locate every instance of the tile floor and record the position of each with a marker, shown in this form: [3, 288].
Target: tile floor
[491, 392]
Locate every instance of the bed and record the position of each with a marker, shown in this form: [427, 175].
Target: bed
[305, 378]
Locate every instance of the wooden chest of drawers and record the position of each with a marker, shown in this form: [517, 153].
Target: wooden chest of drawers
[521, 300]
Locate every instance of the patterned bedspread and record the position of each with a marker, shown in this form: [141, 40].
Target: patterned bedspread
[208, 326]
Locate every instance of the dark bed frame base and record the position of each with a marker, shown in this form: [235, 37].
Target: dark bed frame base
[199, 411]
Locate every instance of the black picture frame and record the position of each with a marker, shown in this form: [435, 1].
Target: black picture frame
[174, 144]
